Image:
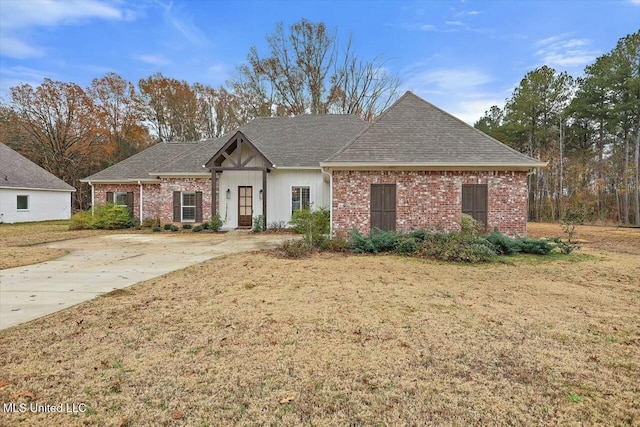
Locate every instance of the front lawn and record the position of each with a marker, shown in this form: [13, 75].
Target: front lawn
[254, 339]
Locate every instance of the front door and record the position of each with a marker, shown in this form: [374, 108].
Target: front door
[245, 207]
[383, 207]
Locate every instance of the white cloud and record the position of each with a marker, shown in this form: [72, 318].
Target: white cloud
[462, 92]
[183, 24]
[21, 14]
[153, 59]
[453, 82]
[418, 27]
[18, 17]
[16, 48]
[635, 2]
[561, 51]
[454, 23]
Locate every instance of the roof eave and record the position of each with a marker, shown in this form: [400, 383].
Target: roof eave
[431, 166]
[60, 190]
[121, 181]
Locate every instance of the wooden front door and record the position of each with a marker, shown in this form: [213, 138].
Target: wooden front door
[383, 207]
[474, 201]
[245, 207]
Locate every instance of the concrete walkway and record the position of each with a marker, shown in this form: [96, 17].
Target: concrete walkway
[97, 265]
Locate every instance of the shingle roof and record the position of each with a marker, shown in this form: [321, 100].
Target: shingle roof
[413, 131]
[16, 171]
[138, 166]
[300, 141]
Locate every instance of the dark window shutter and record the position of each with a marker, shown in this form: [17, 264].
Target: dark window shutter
[177, 205]
[109, 196]
[474, 201]
[383, 207]
[198, 206]
[130, 202]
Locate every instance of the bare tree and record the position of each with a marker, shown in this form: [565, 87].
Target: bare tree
[305, 73]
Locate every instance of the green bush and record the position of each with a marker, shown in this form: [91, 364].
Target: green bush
[150, 223]
[198, 228]
[81, 220]
[167, 227]
[406, 245]
[258, 224]
[174, 228]
[109, 216]
[187, 226]
[311, 224]
[377, 241]
[502, 244]
[534, 246]
[156, 229]
[334, 244]
[294, 248]
[215, 224]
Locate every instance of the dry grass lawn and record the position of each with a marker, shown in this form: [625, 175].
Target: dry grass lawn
[18, 241]
[254, 339]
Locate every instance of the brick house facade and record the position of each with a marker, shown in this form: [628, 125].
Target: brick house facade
[430, 199]
[414, 167]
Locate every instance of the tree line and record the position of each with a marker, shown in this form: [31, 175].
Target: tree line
[586, 128]
[74, 132]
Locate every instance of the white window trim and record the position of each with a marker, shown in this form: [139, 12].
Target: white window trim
[28, 202]
[115, 197]
[182, 206]
[291, 197]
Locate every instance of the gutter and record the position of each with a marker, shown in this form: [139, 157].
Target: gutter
[140, 184]
[93, 198]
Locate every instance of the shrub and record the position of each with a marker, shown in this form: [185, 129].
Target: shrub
[258, 224]
[564, 247]
[406, 245]
[167, 227]
[109, 216]
[215, 224]
[294, 248]
[174, 228]
[571, 218]
[502, 244]
[534, 246]
[150, 223]
[198, 228]
[81, 220]
[377, 241]
[470, 226]
[312, 225]
[187, 226]
[156, 229]
[277, 226]
[205, 225]
[334, 244]
[113, 217]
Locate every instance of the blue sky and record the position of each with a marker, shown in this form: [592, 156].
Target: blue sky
[461, 55]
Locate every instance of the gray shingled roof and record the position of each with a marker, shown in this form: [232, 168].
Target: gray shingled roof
[300, 141]
[16, 171]
[413, 131]
[138, 166]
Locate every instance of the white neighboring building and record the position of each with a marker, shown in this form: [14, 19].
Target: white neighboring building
[30, 193]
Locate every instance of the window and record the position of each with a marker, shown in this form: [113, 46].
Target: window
[23, 203]
[120, 198]
[299, 198]
[188, 207]
[474, 201]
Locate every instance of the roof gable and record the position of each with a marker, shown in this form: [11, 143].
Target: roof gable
[20, 172]
[413, 131]
[235, 144]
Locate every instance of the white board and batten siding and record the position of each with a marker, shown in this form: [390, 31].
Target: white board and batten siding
[43, 205]
[279, 184]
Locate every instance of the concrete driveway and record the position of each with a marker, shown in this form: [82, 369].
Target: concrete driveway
[97, 265]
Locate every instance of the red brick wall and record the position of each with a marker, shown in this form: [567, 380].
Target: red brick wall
[430, 199]
[158, 198]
